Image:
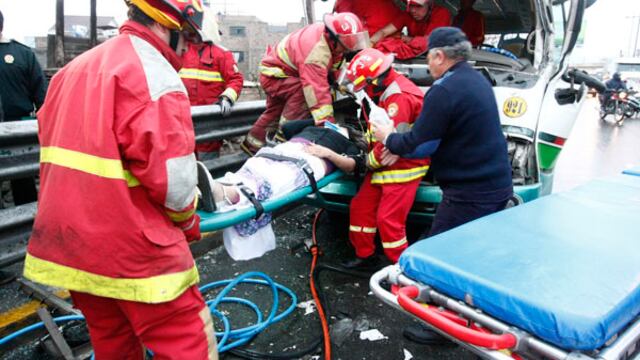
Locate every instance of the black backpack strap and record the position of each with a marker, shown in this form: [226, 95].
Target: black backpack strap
[301, 163]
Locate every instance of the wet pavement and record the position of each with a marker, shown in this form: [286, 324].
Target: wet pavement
[595, 148]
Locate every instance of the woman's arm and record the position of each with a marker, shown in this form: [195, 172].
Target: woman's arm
[383, 33]
[342, 162]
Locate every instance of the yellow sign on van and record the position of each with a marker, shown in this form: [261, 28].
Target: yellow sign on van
[514, 107]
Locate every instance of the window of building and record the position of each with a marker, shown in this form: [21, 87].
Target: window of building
[238, 56]
[238, 31]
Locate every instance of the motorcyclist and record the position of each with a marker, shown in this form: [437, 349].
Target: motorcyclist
[613, 84]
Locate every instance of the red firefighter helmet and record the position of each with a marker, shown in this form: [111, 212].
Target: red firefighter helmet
[367, 66]
[174, 14]
[348, 30]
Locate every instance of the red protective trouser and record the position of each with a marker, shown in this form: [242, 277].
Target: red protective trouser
[120, 329]
[285, 101]
[382, 208]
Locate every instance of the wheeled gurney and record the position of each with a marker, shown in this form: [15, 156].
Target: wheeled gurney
[217, 221]
[556, 278]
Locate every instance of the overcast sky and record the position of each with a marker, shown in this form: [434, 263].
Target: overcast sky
[611, 25]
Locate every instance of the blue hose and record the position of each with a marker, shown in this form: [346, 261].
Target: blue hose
[237, 336]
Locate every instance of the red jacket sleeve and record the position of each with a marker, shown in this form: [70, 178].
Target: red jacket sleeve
[157, 142]
[232, 76]
[314, 74]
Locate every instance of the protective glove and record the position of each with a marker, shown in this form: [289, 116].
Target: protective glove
[225, 106]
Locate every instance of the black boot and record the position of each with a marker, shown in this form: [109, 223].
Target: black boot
[369, 263]
[205, 184]
[421, 334]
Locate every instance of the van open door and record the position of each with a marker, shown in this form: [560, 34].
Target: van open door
[564, 96]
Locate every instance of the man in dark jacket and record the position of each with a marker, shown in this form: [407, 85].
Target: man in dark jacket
[22, 89]
[459, 127]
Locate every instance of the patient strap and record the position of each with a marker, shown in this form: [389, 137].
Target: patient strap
[299, 162]
[246, 191]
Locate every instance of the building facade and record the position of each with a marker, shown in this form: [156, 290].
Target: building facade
[248, 37]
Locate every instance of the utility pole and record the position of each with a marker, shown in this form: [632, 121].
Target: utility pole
[93, 25]
[310, 14]
[58, 54]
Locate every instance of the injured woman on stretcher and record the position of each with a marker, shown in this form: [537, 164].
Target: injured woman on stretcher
[309, 154]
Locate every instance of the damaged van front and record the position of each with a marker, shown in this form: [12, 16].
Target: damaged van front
[525, 58]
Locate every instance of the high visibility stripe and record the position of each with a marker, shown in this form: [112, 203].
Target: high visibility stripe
[272, 71]
[398, 176]
[394, 244]
[231, 94]
[322, 112]
[370, 137]
[182, 216]
[375, 65]
[373, 162]
[364, 229]
[199, 74]
[153, 289]
[358, 80]
[281, 48]
[90, 164]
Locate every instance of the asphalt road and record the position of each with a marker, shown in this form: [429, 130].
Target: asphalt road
[594, 149]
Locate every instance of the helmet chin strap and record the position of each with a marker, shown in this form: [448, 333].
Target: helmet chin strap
[174, 39]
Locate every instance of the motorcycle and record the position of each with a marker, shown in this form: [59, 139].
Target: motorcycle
[632, 105]
[615, 103]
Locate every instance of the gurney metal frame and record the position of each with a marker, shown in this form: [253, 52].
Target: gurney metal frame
[625, 346]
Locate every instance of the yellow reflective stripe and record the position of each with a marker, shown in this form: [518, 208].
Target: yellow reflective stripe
[156, 14]
[370, 137]
[153, 289]
[369, 230]
[272, 71]
[358, 80]
[231, 94]
[95, 165]
[282, 53]
[394, 244]
[199, 74]
[322, 112]
[180, 216]
[373, 162]
[398, 176]
[375, 65]
[355, 228]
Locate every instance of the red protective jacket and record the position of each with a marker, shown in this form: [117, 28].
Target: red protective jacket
[403, 101]
[472, 24]
[307, 55]
[208, 72]
[117, 174]
[419, 32]
[374, 14]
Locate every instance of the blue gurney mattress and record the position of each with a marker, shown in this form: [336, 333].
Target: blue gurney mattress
[565, 268]
[633, 171]
[216, 221]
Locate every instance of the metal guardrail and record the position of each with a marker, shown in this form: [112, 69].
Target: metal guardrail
[19, 158]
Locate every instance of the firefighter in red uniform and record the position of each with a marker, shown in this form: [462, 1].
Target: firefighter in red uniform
[295, 73]
[118, 190]
[211, 76]
[422, 18]
[388, 190]
[374, 14]
[471, 22]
